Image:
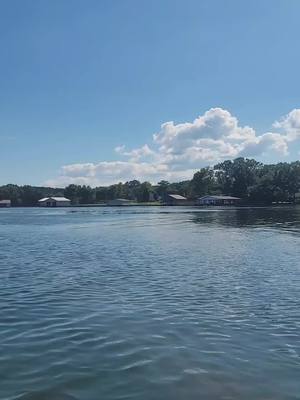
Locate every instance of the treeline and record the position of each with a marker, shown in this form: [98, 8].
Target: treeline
[254, 182]
[27, 195]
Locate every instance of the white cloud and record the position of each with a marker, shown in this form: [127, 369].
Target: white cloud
[261, 145]
[290, 124]
[135, 154]
[108, 172]
[178, 150]
[214, 124]
[212, 137]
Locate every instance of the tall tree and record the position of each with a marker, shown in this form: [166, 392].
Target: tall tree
[71, 192]
[143, 194]
[202, 182]
[162, 188]
[234, 177]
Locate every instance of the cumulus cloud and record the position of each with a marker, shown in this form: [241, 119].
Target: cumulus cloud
[108, 172]
[178, 150]
[135, 154]
[264, 144]
[212, 137]
[214, 124]
[290, 125]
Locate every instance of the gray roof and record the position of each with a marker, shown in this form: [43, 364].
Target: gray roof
[54, 198]
[5, 201]
[177, 196]
[219, 197]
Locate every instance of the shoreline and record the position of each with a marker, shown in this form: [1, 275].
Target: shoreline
[278, 205]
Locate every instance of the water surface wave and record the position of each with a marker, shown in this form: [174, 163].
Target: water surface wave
[150, 303]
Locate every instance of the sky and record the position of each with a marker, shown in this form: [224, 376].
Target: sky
[98, 91]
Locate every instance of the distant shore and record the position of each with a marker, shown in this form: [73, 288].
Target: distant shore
[155, 204]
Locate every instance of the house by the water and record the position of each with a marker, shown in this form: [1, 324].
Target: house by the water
[54, 202]
[218, 201]
[175, 200]
[5, 203]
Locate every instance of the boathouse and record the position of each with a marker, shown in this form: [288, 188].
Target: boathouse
[175, 200]
[5, 203]
[54, 202]
[218, 200]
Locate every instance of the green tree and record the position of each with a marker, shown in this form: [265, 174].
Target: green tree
[11, 192]
[143, 194]
[235, 177]
[86, 195]
[162, 188]
[202, 182]
[71, 192]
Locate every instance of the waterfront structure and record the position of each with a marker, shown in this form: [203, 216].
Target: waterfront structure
[5, 203]
[175, 200]
[54, 202]
[119, 202]
[217, 200]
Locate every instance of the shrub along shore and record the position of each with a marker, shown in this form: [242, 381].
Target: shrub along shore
[254, 182]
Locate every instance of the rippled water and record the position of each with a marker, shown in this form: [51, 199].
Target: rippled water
[150, 303]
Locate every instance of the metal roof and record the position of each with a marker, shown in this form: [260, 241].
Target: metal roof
[177, 196]
[54, 198]
[5, 201]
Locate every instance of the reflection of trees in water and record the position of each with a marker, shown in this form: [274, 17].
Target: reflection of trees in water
[46, 395]
[277, 217]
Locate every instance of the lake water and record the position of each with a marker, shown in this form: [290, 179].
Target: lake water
[150, 303]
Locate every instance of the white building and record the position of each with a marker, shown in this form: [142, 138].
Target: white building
[54, 202]
[5, 203]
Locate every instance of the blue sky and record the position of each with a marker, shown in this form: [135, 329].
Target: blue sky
[84, 86]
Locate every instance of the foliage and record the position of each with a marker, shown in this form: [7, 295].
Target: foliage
[203, 182]
[235, 177]
[27, 195]
[248, 179]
